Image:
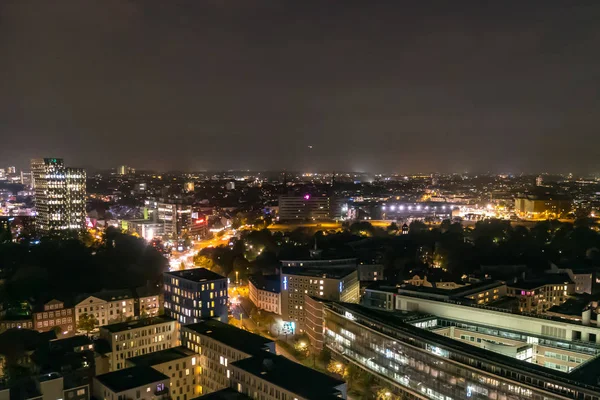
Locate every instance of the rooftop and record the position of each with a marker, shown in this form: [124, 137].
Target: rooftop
[296, 378]
[161, 357]
[327, 273]
[270, 283]
[426, 291]
[140, 323]
[547, 279]
[130, 378]
[196, 275]
[231, 336]
[224, 394]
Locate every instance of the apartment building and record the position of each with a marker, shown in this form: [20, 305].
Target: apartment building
[328, 283]
[148, 302]
[265, 292]
[537, 296]
[54, 315]
[140, 383]
[180, 364]
[193, 294]
[131, 339]
[107, 306]
[272, 377]
[220, 344]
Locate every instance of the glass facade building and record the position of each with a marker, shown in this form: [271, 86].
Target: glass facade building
[419, 363]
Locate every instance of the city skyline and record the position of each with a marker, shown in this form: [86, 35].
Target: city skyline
[301, 85]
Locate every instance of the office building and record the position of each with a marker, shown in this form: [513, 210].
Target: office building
[542, 205]
[405, 211]
[194, 294]
[220, 344]
[440, 349]
[140, 383]
[59, 197]
[230, 185]
[180, 365]
[53, 315]
[339, 284]
[107, 307]
[370, 272]
[135, 338]
[307, 208]
[265, 292]
[175, 217]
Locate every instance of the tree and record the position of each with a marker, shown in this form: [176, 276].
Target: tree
[325, 356]
[87, 323]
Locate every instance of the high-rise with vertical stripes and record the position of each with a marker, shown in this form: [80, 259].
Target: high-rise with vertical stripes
[59, 197]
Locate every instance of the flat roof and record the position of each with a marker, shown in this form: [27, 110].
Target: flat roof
[224, 394]
[196, 275]
[296, 378]
[140, 323]
[327, 273]
[162, 356]
[270, 283]
[550, 279]
[130, 378]
[389, 319]
[460, 292]
[231, 336]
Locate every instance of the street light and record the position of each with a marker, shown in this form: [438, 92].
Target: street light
[236, 277]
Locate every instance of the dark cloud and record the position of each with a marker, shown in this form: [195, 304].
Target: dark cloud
[371, 85]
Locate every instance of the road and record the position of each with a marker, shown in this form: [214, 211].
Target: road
[187, 257]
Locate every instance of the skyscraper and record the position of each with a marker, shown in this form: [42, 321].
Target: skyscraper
[59, 197]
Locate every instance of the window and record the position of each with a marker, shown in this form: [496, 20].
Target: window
[80, 392]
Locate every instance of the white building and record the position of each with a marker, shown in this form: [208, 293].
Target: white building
[136, 338]
[265, 292]
[107, 307]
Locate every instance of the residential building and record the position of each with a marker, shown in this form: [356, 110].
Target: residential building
[15, 321]
[107, 306]
[328, 283]
[148, 302]
[265, 292]
[180, 365]
[142, 383]
[370, 272]
[539, 295]
[220, 344]
[131, 339]
[193, 294]
[59, 197]
[53, 315]
[272, 377]
[441, 349]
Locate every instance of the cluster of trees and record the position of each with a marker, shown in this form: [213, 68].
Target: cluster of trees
[448, 246]
[63, 268]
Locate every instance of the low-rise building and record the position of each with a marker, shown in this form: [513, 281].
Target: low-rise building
[220, 344]
[178, 363]
[132, 383]
[265, 292]
[539, 295]
[370, 272]
[193, 294]
[272, 377]
[53, 315]
[130, 339]
[148, 302]
[107, 306]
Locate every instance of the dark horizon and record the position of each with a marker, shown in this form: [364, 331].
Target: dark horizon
[271, 85]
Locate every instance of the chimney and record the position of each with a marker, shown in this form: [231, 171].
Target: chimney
[586, 316]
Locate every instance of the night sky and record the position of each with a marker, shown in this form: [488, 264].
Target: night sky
[406, 86]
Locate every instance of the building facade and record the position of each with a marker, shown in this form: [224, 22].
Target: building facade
[305, 208]
[265, 293]
[538, 296]
[107, 307]
[339, 284]
[180, 365]
[219, 345]
[59, 197]
[54, 315]
[131, 339]
[194, 294]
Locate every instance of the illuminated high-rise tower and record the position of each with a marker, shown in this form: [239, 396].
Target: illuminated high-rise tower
[59, 197]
